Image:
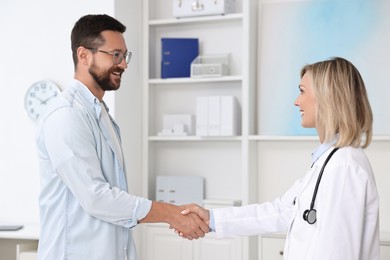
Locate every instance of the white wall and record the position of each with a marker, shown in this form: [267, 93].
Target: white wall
[35, 45]
[128, 99]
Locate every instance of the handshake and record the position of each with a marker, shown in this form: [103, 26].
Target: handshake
[188, 221]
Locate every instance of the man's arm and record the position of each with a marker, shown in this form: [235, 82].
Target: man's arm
[191, 225]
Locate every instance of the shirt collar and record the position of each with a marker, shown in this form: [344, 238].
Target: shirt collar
[321, 149]
[91, 99]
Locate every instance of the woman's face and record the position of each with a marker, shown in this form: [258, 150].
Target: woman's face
[306, 102]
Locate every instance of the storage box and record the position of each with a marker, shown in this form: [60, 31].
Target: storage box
[214, 65]
[214, 115]
[218, 116]
[180, 190]
[177, 55]
[220, 203]
[202, 119]
[178, 125]
[184, 8]
[230, 116]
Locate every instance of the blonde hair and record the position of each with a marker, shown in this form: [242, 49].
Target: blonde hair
[342, 103]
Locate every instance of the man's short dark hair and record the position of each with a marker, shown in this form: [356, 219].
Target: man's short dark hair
[87, 32]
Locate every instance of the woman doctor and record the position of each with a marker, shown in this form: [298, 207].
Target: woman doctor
[340, 220]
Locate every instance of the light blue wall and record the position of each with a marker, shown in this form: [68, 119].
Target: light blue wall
[296, 33]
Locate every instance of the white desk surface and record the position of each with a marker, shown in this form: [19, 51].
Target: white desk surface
[28, 232]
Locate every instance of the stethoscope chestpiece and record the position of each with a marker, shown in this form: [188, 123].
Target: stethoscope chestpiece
[310, 215]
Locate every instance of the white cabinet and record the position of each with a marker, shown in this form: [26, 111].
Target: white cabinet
[257, 165]
[271, 247]
[161, 243]
[21, 244]
[213, 248]
[221, 161]
[385, 245]
[385, 252]
[27, 251]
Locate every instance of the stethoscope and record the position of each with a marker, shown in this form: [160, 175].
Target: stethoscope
[310, 215]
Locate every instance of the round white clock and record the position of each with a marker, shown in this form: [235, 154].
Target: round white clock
[38, 96]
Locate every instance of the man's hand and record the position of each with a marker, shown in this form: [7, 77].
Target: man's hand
[191, 209]
[190, 225]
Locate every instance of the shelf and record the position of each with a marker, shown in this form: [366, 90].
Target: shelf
[303, 138]
[199, 19]
[194, 138]
[381, 138]
[159, 81]
[283, 138]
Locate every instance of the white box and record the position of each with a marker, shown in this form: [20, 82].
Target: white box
[220, 203]
[187, 8]
[214, 123]
[180, 190]
[218, 116]
[230, 116]
[178, 125]
[213, 65]
[202, 111]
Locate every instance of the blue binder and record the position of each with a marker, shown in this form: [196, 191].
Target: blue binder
[177, 55]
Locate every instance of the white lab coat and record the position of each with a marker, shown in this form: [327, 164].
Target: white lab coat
[347, 205]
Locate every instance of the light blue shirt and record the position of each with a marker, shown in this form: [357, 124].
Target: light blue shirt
[86, 212]
[321, 149]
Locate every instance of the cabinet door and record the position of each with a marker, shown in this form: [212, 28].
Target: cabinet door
[210, 248]
[385, 252]
[162, 244]
[272, 248]
[27, 251]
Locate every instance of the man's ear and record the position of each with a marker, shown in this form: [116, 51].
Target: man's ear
[83, 55]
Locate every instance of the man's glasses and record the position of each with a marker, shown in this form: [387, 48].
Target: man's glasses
[117, 56]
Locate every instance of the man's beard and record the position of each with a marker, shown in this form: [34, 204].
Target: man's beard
[103, 79]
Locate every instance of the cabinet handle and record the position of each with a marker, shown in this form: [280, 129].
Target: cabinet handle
[281, 252]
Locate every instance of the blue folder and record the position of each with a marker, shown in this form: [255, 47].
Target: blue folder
[177, 55]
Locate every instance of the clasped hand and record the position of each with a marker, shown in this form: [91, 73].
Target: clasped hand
[196, 224]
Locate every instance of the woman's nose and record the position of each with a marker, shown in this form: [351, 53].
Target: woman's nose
[296, 102]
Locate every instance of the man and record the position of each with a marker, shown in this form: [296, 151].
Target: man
[85, 209]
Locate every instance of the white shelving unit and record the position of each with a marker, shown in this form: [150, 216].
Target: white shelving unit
[222, 161]
[261, 163]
